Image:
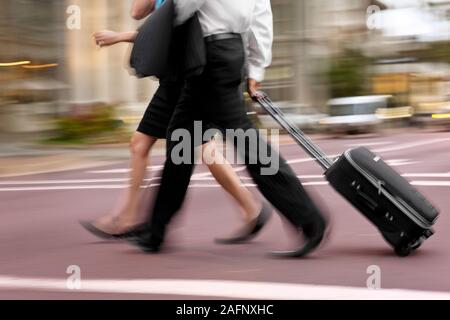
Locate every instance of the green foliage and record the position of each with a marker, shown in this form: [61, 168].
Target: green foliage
[87, 123]
[347, 74]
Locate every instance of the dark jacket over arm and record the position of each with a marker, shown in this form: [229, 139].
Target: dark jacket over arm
[160, 49]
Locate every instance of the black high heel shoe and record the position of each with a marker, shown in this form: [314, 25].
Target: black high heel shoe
[89, 226]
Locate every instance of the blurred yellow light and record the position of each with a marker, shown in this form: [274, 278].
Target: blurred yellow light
[40, 66]
[394, 113]
[441, 116]
[14, 64]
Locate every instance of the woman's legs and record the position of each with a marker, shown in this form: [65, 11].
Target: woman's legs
[224, 173]
[126, 213]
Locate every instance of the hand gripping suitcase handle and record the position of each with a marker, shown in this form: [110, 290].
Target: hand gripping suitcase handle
[312, 149]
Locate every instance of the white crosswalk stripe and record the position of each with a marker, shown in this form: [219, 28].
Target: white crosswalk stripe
[202, 184]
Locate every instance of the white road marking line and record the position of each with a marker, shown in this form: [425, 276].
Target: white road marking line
[242, 168]
[221, 288]
[217, 185]
[394, 162]
[369, 144]
[61, 188]
[239, 169]
[301, 160]
[391, 161]
[198, 177]
[410, 145]
[195, 177]
[104, 187]
[431, 183]
[316, 176]
[404, 163]
[111, 171]
[201, 175]
[124, 186]
[316, 183]
[409, 163]
[153, 168]
[126, 170]
[381, 150]
[36, 182]
[249, 178]
[236, 169]
[427, 175]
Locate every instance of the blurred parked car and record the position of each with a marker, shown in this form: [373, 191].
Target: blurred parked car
[354, 114]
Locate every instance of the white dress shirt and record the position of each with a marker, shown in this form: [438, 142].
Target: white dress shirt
[251, 18]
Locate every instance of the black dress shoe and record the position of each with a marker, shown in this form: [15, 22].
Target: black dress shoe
[89, 226]
[143, 239]
[314, 235]
[252, 229]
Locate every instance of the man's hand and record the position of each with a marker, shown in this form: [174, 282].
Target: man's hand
[106, 38]
[253, 87]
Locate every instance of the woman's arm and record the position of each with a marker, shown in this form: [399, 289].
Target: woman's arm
[142, 8]
[108, 38]
[139, 10]
[129, 36]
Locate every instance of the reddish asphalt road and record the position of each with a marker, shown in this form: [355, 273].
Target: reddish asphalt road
[40, 236]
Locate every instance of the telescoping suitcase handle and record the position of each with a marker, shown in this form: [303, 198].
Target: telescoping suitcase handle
[312, 149]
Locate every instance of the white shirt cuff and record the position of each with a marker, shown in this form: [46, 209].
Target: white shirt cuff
[256, 73]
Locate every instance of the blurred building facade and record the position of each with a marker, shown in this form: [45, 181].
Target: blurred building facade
[80, 72]
[39, 32]
[66, 67]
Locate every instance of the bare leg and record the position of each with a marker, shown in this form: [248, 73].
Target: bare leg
[126, 213]
[224, 173]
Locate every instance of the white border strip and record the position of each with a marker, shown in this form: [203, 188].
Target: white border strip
[219, 288]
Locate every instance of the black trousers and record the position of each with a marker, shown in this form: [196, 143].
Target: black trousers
[215, 98]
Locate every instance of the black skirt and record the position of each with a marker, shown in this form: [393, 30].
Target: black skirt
[159, 112]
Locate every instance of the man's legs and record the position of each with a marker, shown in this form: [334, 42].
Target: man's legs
[282, 188]
[175, 177]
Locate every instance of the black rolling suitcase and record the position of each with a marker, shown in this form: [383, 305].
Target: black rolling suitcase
[403, 215]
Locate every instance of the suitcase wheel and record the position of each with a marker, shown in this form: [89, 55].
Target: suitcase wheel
[403, 251]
